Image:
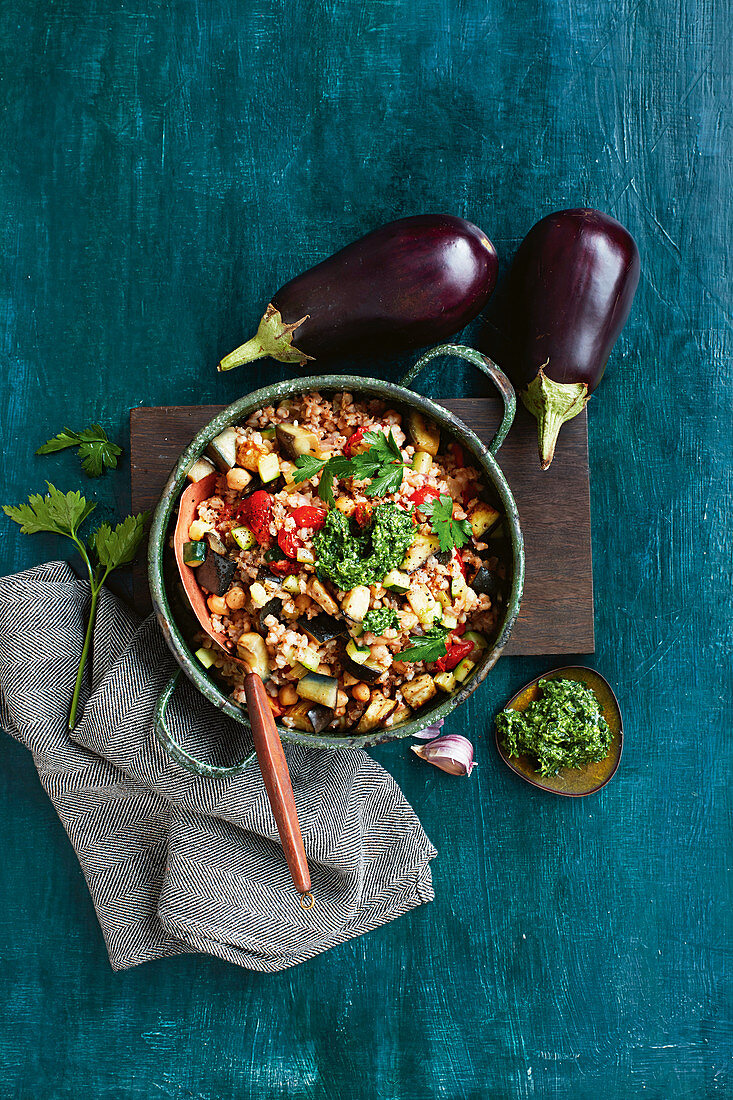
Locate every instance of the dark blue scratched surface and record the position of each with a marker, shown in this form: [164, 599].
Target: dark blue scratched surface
[164, 168]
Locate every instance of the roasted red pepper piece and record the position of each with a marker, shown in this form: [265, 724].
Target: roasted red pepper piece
[363, 514]
[461, 629]
[284, 568]
[457, 451]
[455, 652]
[256, 512]
[308, 516]
[355, 440]
[461, 565]
[289, 543]
[421, 495]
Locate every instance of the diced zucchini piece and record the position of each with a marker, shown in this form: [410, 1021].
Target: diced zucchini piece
[396, 581]
[457, 585]
[480, 641]
[200, 469]
[355, 603]
[268, 467]
[268, 433]
[318, 592]
[310, 659]
[483, 518]
[446, 681]
[419, 691]
[422, 461]
[258, 595]
[464, 670]
[378, 710]
[291, 585]
[419, 551]
[223, 449]
[205, 656]
[296, 441]
[306, 556]
[424, 434]
[243, 537]
[215, 543]
[252, 649]
[319, 689]
[449, 621]
[198, 529]
[358, 653]
[194, 553]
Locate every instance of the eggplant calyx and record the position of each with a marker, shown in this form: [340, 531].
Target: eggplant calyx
[274, 339]
[552, 403]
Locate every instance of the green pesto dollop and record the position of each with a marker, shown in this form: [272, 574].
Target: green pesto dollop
[350, 559]
[380, 619]
[563, 728]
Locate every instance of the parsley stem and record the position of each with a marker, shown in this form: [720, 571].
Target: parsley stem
[84, 654]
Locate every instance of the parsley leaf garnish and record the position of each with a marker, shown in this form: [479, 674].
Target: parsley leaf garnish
[451, 532]
[106, 549]
[426, 647]
[381, 464]
[95, 449]
[380, 619]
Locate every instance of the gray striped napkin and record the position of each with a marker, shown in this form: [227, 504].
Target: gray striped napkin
[176, 863]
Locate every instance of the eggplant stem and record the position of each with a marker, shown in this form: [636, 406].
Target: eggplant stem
[274, 339]
[552, 403]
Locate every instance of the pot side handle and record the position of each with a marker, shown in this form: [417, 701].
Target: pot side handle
[489, 368]
[177, 752]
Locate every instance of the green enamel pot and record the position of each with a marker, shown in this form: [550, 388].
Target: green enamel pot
[484, 457]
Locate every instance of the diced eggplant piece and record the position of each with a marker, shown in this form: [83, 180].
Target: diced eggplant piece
[355, 603]
[291, 585]
[318, 592]
[487, 582]
[423, 433]
[215, 543]
[322, 628]
[319, 689]
[418, 552]
[296, 441]
[399, 716]
[483, 518]
[217, 573]
[419, 691]
[423, 604]
[366, 673]
[272, 607]
[320, 717]
[299, 715]
[444, 556]
[266, 576]
[305, 556]
[194, 553]
[200, 469]
[446, 681]
[252, 649]
[223, 450]
[378, 710]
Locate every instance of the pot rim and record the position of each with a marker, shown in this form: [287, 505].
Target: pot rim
[271, 394]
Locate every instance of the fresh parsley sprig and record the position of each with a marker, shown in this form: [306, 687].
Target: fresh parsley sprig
[381, 464]
[105, 549]
[96, 451]
[426, 647]
[451, 532]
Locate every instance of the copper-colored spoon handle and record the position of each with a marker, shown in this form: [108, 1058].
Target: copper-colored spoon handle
[276, 776]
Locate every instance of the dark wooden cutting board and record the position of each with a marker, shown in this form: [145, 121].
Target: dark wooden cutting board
[554, 507]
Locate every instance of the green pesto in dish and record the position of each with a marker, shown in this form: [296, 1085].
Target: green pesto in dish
[563, 728]
[350, 559]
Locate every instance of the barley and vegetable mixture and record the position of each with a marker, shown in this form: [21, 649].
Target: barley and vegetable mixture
[347, 555]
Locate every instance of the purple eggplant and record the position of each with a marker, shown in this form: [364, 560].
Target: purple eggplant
[410, 283]
[570, 289]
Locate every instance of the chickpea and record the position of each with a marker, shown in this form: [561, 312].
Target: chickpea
[342, 700]
[361, 692]
[217, 605]
[323, 670]
[302, 602]
[238, 479]
[349, 680]
[235, 598]
[249, 453]
[287, 695]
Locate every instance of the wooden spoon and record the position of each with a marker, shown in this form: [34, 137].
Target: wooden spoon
[270, 755]
[572, 782]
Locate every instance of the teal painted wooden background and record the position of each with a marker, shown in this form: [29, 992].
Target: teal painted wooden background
[164, 168]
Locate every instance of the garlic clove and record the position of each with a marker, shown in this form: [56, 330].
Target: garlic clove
[430, 732]
[451, 753]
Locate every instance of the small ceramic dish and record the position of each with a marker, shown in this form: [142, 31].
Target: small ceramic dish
[573, 782]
